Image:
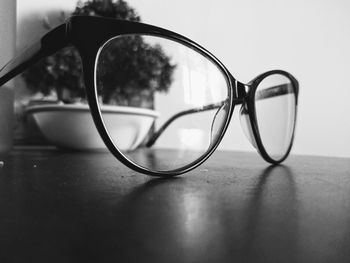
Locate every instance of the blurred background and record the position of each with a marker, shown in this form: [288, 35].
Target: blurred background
[310, 39]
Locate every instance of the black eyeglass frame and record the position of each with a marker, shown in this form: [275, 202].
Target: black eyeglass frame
[88, 34]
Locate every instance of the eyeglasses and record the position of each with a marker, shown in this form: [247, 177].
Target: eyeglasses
[189, 89]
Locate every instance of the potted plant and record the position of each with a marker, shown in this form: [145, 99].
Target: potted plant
[60, 75]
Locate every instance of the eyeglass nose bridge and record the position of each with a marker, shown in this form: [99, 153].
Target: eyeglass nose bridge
[241, 92]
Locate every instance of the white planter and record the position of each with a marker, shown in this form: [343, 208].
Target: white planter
[71, 126]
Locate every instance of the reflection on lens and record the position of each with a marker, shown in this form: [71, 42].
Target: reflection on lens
[275, 106]
[163, 103]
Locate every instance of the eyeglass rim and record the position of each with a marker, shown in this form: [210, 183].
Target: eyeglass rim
[92, 95]
[250, 103]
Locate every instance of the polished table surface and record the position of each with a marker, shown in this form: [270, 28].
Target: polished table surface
[86, 207]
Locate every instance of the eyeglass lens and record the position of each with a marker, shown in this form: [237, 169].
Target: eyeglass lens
[163, 103]
[275, 111]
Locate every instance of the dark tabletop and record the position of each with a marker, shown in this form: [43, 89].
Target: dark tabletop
[75, 207]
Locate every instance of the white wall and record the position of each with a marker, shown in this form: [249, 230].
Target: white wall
[7, 27]
[31, 14]
[7, 50]
[311, 39]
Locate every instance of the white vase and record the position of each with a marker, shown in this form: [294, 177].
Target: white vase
[71, 126]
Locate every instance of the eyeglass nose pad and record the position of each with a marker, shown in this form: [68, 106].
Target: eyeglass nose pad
[218, 121]
[246, 125]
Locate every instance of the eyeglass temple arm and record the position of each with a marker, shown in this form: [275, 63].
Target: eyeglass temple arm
[47, 45]
[156, 134]
[274, 91]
